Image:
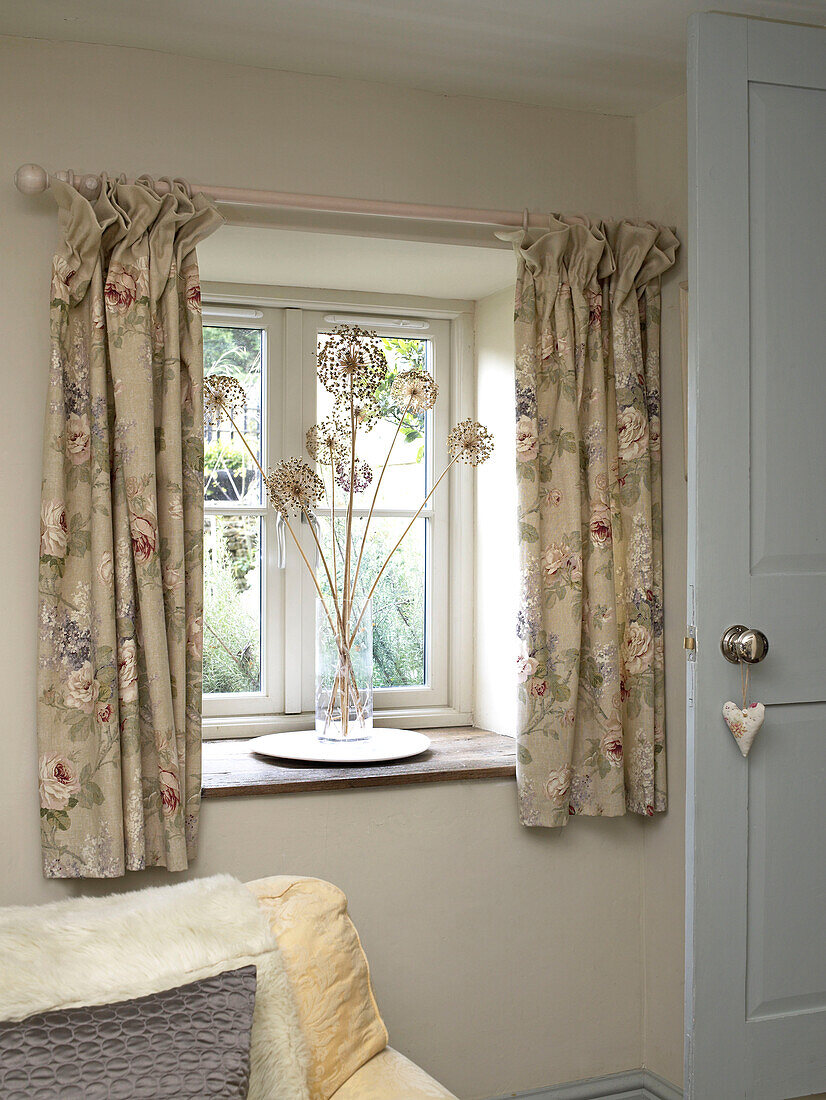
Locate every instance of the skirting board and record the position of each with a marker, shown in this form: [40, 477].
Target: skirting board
[634, 1084]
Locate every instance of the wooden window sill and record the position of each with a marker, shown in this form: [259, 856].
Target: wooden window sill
[229, 768]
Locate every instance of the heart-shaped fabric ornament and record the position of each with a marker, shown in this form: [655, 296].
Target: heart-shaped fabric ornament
[744, 723]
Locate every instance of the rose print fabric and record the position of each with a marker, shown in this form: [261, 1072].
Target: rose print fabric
[121, 575]
[590, 669]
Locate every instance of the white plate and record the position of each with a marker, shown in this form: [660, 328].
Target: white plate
[383, 744]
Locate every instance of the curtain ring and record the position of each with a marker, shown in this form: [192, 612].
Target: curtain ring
[525, 220]
[165, 186]
[185, 184]
[90, 187]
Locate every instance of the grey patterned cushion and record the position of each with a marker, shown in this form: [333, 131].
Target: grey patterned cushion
[190, 1043]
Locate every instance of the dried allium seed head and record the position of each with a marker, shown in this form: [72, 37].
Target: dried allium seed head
[223, 397]
[327, 442]
[362, 476]
[366, 414]
[470, 442]
[415, 389]
[293, 486]
[352, 362]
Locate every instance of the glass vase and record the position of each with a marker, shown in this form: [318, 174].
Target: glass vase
[344, 674]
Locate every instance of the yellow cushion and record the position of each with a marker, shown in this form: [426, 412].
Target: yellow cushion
[391, 1076]
[329, 974]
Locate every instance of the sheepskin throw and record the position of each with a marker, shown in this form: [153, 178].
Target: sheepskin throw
[86, 951]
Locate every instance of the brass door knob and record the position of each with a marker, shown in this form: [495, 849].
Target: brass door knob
[741, 643]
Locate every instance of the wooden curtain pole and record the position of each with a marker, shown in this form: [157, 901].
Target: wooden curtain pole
[31, 179]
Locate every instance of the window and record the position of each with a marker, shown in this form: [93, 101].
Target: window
[259, 604]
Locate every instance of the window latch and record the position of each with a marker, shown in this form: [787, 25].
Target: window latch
[280, 542]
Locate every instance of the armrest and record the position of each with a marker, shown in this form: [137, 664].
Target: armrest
[391, 1076]
[329, 974]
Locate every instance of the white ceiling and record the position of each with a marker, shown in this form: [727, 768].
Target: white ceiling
[613, 56]
[277, 257]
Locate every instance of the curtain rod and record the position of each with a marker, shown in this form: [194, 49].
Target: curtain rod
[31, 179]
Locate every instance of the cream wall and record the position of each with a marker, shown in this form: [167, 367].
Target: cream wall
[661, 175]
[505, 959]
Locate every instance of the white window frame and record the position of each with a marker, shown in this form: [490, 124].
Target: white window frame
[271, 697]
[291, 325]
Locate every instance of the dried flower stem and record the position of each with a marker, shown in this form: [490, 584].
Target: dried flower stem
[311, 525]
[288, 525]
[243, 439]
[398, 544]
[333, 516]
[340, 634]
[376, 493]
[289, 528]
[347, 593]
[340, 683]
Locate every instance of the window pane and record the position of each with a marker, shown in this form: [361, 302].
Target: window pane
[399, 638]
[405, 483]
[230, 475]
[232, 604]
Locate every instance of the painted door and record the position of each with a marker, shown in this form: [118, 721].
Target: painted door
[756, 861]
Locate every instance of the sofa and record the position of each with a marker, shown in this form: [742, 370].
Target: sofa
[206, 987]
[348, 1043]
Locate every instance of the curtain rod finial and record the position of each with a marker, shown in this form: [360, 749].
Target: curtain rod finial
[31, 179]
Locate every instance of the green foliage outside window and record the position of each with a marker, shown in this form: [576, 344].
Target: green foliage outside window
[233, 351]
[231, 633]
[228, 472]
[402, 355]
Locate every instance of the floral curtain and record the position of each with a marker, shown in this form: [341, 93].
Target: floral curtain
[591, 737]
[121, 575]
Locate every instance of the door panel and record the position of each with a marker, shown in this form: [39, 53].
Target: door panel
[787, 131]
[787, 865]
[756, 901]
